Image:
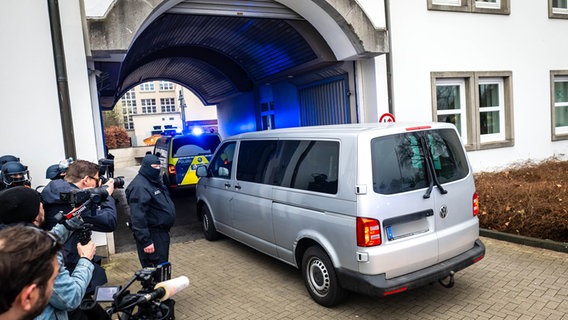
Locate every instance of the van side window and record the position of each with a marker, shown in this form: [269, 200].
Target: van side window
[313, 166]
[253, 159]
[221, 165]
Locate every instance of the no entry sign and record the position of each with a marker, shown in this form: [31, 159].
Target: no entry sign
[386, 117]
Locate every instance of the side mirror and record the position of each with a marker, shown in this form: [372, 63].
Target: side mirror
[201, 171]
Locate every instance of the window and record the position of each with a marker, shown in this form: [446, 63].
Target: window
[450, 100]
[253, 161]
[221, 165]
[128, 109]
[167, 104]
[491, 109]
[299, 164]
[166, 86]
[148, 105]
[267, 115]
[558, 9]
[478, 104]
[400, 161]
[147, 86]
[559, 103]
[475, 6]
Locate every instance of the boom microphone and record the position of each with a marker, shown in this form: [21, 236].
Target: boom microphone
[170, 287]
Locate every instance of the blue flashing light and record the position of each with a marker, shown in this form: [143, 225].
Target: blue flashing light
[197, 131]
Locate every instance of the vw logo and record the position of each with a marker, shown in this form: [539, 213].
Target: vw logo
[443, 211]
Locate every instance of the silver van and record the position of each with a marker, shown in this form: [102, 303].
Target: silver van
[372, 208]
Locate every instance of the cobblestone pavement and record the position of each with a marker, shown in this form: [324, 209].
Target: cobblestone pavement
[231, 281]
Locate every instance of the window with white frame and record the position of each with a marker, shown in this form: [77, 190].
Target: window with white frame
[148, 105]
[491, 109]
[166, 86]
[475, 6]
[167, 104]
[478, 104]
[147, 86]
[559, 83]
[558, 9]
[451, 104]
[128, 109]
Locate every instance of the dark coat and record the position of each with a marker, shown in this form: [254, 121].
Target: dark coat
[150, 208]
[101, 217]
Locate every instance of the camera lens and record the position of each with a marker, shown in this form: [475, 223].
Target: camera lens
[118, 182]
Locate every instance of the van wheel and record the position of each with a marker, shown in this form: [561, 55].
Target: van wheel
[209, 230]
[320, 278]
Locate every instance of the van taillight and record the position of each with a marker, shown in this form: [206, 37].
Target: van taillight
[368, 232]
[171, 169]
[475, 204]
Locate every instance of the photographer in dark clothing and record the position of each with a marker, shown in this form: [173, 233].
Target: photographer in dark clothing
[152, 213]
[101, 216]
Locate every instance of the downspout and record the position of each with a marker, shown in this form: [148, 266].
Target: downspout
[62, 83]
[389, 58]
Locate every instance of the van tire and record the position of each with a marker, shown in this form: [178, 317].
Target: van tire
[209, 230]
[320, 278]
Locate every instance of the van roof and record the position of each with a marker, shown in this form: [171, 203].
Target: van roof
[350, 129]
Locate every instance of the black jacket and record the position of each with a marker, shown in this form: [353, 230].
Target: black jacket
[101, 217]
[150, 208]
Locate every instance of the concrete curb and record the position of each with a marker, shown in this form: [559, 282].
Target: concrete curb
[528, 241]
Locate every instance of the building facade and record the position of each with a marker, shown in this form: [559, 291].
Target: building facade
[155, 106]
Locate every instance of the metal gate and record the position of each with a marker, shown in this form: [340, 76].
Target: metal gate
[324, 102]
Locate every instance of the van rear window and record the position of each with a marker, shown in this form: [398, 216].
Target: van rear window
[190, 146]
[399, 162]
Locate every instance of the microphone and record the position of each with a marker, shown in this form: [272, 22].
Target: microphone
[166, 289]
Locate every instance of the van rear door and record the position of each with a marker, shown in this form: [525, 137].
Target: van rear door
[456, 225]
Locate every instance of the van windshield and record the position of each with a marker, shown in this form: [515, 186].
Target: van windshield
[399, 161]
[189, 146]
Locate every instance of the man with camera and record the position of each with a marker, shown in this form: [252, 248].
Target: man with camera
[22, 206]
[100, 215]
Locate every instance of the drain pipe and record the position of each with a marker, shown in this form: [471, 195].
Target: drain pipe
[62, 82]
[389, 57]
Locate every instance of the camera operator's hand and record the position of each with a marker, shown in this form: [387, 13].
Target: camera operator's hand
[149, 249]
[110, 185]
[87, 251]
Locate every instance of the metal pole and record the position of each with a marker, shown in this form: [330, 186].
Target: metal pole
[62, 83]
[182, 106]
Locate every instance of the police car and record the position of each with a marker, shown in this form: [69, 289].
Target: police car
[181, 154]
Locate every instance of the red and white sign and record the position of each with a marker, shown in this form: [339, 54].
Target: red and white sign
[386, 117]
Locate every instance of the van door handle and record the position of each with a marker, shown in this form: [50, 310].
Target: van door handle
[238, 187]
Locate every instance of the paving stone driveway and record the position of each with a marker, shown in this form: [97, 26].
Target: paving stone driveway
[231, 281]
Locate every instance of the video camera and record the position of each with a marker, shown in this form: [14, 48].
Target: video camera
[152, 301]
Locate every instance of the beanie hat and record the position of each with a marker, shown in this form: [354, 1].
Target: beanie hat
[147, 170]
[150, 159]
[19, 204]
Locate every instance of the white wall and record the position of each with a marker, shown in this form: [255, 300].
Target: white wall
[31, 125]
[525, 42]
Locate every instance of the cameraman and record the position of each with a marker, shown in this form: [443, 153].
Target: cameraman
[81, 175]
[22, 205]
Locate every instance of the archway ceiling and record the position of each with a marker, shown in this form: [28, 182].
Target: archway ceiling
[218, 56]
